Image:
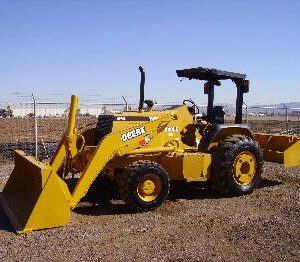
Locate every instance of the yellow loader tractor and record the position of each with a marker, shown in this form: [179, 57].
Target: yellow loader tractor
[134, 155]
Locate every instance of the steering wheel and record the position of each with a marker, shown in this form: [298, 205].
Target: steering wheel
[193, 108]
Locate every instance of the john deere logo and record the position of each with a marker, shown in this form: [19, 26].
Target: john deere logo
[134, 133]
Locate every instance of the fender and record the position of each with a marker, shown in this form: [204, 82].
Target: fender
[219, 131]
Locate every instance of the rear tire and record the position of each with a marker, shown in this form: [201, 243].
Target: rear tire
[237, 165]
[144, 186]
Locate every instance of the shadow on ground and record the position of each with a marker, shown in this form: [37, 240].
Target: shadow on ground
[4, 222]
[269, 183]
[179, 190]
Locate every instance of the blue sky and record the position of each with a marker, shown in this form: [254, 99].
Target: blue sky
[94, 48]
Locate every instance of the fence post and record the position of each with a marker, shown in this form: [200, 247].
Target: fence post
[126, 104]
[246, 112]
[35, 127]
[286, 117]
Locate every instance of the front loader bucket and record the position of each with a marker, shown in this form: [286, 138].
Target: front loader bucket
[35, 197]
[282, 149]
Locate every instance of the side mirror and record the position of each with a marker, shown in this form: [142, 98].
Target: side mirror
[208, 83]
[245, 86]
[206, 87]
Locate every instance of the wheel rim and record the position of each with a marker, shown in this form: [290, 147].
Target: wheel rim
[244, 168]
[149, 187]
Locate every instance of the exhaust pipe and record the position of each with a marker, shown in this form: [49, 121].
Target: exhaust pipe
[142, 89]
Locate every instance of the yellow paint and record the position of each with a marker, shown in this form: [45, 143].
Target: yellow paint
[292, 155]
[244, 168]
[149, 187]
[105, 152]
[196, 166]
[282, 149]
[34, 196]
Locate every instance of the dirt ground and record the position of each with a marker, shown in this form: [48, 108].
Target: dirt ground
[192, 225]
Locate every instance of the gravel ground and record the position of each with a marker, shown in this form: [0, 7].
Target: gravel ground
[192, 225]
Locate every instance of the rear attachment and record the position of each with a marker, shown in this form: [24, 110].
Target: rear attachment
[282, 149]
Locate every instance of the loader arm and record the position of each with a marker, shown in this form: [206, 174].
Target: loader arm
[67, 146]
[113, 145]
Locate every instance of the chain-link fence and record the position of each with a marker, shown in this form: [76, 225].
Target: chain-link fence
[273, 119]
[17, 129]
[37, 127]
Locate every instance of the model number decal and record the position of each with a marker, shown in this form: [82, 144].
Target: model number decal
[171, 129]
[153, 118]
[121, 118]
[133, 133]
[135, 118]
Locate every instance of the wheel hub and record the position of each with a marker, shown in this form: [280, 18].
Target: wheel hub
[149, 187]
[244, 168]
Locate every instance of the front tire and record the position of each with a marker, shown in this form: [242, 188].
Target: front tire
[144, 186]
[237, 165]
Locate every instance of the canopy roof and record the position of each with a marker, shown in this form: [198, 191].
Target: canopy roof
[201, 73]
